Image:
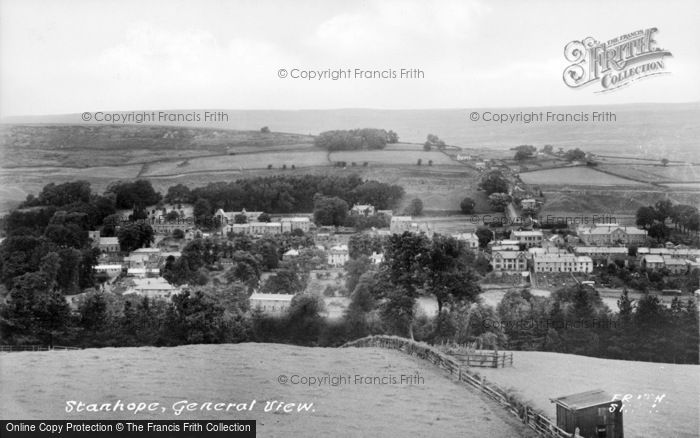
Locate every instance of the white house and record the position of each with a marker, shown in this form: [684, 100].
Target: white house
[509, 261]
[470, 239]
[338, 255]
[363, 209]
[529, 238]
[271, 304]
[289, 224]
[112, 270]
[612, 234]
[157, 287]
[562, 263]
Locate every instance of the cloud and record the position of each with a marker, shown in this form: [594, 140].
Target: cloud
[383, 28]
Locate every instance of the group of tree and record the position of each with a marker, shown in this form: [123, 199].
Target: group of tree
[575, 320]
[685, 218]
[433, 141]
[413, 265]
[285, 194]
[493, 182]
[523, 152]
[575, 155]
[355, 139]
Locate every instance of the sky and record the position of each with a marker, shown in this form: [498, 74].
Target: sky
[77, 55]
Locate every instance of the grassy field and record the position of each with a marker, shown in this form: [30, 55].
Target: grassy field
[111, 145]
[574, 176]
[393, 157]
[655, 173]
[238, 162]
[37, 386]
[539, 376]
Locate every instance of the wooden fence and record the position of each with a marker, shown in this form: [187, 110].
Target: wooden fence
[487, 359]
[529, 416]
[15, 348]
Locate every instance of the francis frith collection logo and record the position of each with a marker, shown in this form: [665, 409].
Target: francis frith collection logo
[614, 63]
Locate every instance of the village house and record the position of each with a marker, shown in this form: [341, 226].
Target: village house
[290, 224]
[509, 261]
[653, 262]
[229, 217]
[401, 224]
[376, 258]
[143, 257]
[363, 209]
[562, 263]
[271, 304]
[529, 238]
[109, 244]
[611, 234]
[290, 253]
[112, 270]
[528, 203]
[603, 255]
[470, 239]
[338, 255]
[675, 266]
[504, 245]
[157, 287]
[143, 272]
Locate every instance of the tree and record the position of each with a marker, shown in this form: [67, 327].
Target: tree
[419, 162]
[499, 201]
[467, 205]
[304, 319]
[523, 152]
[135, 235]
[645, 217]
[485, 235]
[284, 281]
[392, 137]
[264, 130]
[264, 217]
[575, 155]
[427, 146]
[240, 218]
[178, 194]
[330, 210]
[548, 149]
[172, 216]
[355, 268]
[178, 233]
[202, 212]
[494, 182]
[415, 207]
[664, 162]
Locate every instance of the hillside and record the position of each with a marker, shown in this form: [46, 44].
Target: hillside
[539, 376]
[80, 146]
[245, 372]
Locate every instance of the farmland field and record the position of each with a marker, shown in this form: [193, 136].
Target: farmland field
[655, 173]
[393, 157]
[245, 372]
[574, 176]
[539, 376]
[238, 162]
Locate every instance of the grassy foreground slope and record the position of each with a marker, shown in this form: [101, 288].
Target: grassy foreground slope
[539, 376]
[37, 385]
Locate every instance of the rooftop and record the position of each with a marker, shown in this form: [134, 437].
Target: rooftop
[583, 400]
[271, 297]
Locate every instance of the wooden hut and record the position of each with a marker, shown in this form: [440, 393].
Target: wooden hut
[594, 413]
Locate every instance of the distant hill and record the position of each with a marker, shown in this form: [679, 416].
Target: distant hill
[651, 130]
[83, 145]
